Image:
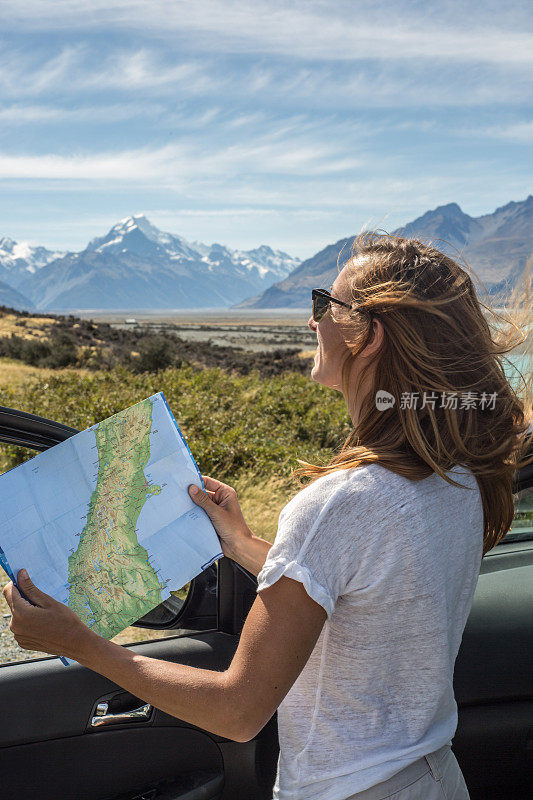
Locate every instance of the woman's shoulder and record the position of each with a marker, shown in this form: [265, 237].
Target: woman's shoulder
[333, 487]
[368, 486]
[349, 479]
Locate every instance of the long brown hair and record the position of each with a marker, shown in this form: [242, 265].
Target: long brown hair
[439, 342]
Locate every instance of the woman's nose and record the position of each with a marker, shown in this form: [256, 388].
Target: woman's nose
[311, 323]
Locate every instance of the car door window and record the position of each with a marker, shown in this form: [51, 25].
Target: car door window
[10, 651]
[522, 525]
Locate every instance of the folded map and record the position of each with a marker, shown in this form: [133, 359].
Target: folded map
[103, 521]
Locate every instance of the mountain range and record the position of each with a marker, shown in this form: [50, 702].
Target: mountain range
[496, 246]
[136, 266]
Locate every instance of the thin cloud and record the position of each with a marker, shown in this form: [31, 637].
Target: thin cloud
[23, 73]
[367, 88]
[338, 111]
[128, 166]
[18, 114]
[81, 71]
[178, 162]
[82, 68]
[306, 30]
[519, 132]
[130, 71]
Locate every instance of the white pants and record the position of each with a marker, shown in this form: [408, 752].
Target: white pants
[436, 776]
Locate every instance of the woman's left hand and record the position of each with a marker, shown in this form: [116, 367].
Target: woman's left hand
[47, 625]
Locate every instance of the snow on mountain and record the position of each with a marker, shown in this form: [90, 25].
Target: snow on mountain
[137, 266]
[20, 259]
[137, 235]
[201, 248]
[132, 234]
[268, 261]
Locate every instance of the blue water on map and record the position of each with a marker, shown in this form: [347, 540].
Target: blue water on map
[165, 517]
[48, 496]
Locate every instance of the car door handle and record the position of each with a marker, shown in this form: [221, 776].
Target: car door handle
[101, 717]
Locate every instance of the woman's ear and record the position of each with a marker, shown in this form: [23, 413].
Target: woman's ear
[377, 337]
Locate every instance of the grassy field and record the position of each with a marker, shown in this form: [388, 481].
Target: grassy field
[16, 375]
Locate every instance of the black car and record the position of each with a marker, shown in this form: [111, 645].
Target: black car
[71, 734]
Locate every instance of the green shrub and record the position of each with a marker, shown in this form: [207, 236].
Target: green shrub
[30, 351]
[63, 351]
[59, 350]
[155, 353]
[236, 426]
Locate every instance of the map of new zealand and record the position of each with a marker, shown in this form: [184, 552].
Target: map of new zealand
[103, 521]
[110, 575]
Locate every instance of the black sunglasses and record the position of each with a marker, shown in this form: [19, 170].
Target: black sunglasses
[321, 302]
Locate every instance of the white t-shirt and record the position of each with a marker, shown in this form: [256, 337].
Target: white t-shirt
[394, 563]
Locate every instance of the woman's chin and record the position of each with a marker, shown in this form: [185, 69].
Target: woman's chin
[319, 375]
[315, 370]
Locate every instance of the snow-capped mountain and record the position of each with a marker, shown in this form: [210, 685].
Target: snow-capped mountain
[20, 259]
[137, 235]
[137, 266]
[496, 246]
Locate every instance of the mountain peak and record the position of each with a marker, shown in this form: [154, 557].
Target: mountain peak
[449, 209]
[18, 259]
[136, 222]
[135, 233]
[447, 223]
[495, 245]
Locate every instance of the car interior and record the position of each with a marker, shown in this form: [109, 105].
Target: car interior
[64, 727]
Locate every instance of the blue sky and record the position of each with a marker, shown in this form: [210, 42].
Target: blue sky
[267, 122]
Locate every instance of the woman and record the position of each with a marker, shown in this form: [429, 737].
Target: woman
[362, 600]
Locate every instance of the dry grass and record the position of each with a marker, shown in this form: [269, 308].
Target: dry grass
[261, 501]
[26, 327]
[15, 374]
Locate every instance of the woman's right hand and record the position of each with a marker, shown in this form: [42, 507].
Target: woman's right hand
[220, 503]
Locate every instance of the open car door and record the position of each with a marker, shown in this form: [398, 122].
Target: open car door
[493, 678]
[67, 732]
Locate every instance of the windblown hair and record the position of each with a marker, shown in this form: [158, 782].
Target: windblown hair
[437, 341]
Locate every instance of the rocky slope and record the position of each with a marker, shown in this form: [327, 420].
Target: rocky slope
[13, 299]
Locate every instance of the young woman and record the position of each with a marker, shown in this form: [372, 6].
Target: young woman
[362, 600]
